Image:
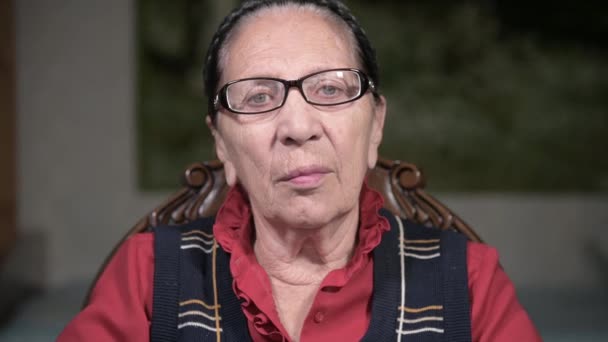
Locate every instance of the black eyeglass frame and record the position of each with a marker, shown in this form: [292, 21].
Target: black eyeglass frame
[366, 84]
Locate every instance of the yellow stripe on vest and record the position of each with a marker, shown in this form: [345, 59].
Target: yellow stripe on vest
[422, 309]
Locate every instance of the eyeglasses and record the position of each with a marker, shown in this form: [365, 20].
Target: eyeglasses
[264, 94]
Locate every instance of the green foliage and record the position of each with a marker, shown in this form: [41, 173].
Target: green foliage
[170, 104]
[481, 113]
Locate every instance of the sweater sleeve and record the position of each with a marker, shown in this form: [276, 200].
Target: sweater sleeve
[496, 314]
[120, 306]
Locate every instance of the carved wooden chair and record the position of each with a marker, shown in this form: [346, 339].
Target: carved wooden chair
[400, 183]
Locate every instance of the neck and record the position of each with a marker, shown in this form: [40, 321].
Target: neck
[304, 256]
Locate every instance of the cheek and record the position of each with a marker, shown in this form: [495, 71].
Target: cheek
[249, 154]
[356, 140]
[352, 141]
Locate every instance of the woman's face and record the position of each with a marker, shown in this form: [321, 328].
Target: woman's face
[302, 166]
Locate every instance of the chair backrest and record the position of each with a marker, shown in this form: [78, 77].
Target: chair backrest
[400, 183]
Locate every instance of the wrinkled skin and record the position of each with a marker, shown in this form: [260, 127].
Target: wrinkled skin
[331, 146]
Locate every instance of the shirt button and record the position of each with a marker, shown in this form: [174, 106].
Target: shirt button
[319, 317]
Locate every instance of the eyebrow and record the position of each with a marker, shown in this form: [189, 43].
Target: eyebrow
[311, 71]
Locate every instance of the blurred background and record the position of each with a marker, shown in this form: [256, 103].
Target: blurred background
[503, 104]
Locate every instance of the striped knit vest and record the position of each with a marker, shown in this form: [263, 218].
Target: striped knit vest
[420, 286]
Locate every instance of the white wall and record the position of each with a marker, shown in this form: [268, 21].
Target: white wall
[77, 157]
[76, 130]
[541, 239]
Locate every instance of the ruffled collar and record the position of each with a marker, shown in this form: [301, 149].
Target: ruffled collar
[233, 229]
[233, 226]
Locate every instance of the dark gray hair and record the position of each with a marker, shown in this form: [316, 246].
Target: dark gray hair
[212, 72]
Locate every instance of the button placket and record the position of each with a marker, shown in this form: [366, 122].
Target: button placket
[319, 316]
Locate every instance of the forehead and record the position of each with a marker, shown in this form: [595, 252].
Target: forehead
[287, 42]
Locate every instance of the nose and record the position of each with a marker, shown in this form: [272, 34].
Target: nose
[298, 121]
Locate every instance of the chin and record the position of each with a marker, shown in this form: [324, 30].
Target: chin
[310, 216]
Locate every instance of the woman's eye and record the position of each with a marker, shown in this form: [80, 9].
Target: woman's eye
[259, 98]
[329, 90]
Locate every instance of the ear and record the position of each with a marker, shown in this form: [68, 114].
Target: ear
[222, 153]
[376, 131]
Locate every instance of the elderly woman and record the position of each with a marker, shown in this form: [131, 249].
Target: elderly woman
[301, 249]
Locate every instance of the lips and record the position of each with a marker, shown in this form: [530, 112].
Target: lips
[308, 175]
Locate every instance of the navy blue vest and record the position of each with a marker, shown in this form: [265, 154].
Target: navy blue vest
[420, 288]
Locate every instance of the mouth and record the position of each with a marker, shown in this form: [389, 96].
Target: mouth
[309, 176]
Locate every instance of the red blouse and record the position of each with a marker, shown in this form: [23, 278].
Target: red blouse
[121, 303]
